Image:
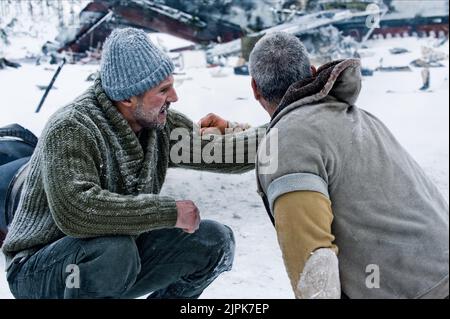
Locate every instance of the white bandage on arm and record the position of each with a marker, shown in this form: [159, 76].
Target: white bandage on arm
[320, 277]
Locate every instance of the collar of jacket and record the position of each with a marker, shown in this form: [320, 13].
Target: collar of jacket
[339, 79]
[135, 166]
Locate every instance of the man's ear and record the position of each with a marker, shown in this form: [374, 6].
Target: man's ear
[128, 103]
[313, 70]
[255, 90]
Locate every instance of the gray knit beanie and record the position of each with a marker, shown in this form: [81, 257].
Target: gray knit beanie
[132, 64]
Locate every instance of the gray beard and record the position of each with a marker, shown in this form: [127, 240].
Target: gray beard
[149, 121]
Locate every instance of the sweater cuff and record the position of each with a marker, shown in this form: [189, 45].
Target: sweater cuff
[168, 213]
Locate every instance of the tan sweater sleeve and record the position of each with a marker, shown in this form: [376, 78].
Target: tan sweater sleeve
[303, 223]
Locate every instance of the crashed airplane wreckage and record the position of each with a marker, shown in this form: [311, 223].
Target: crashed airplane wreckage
[100, 17]
[301, 25]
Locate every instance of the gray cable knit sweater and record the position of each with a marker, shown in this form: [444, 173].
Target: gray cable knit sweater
[90, 176]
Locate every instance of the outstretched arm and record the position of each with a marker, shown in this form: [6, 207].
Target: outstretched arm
[229, 153]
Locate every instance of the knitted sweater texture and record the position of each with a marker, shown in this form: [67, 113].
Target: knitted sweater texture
[90, 175]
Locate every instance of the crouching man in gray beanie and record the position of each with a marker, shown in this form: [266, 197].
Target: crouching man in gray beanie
[90, 222]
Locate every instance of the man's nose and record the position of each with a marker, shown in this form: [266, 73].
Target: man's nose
[173, 97]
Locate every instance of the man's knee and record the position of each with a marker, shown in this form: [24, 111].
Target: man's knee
[108, 264]
[219, 239]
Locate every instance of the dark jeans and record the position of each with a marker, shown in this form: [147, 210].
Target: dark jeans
[8, 199]
[16, 146]
[168, 262]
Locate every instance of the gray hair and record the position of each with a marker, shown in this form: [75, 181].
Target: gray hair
[278, 60]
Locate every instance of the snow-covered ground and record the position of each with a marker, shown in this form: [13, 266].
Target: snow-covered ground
[420, 120]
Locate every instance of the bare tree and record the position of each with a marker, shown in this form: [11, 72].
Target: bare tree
[72, 12]
[60, 14]
[30, 9]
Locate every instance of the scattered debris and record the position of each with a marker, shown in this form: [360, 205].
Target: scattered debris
[49, 57]
[4, 63]
[431, 55]
[430, 58]
[419, 63]
[49, 47]
[407, 92]
[45, 87]
[366, 72]
[398, 51]
[394, 69]
[242, 70]
[185, 48]
[425, 79]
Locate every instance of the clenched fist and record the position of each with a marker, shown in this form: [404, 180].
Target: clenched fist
[188, 216]
[212, 124]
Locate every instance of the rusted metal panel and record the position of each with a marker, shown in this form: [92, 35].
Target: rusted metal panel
[149, 17]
